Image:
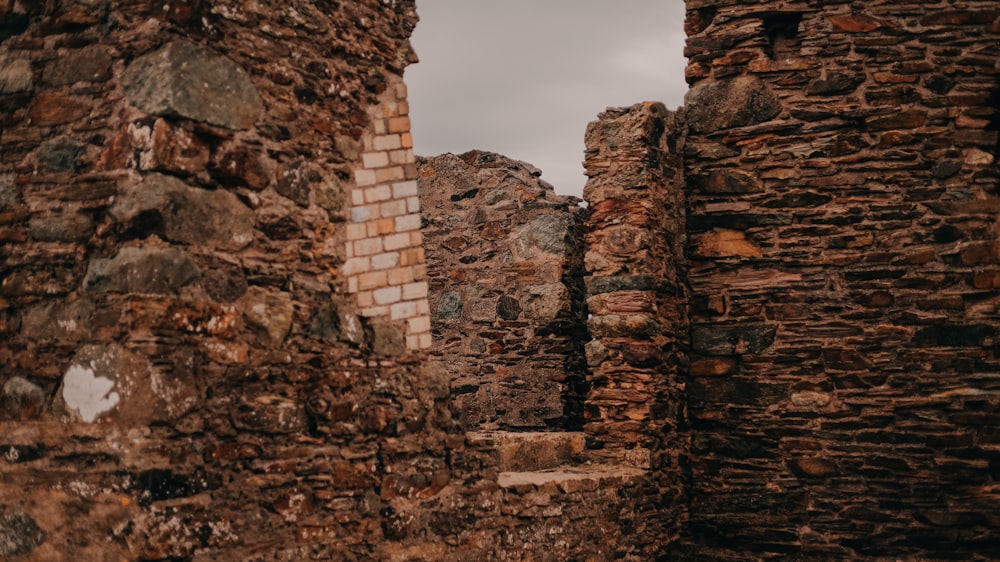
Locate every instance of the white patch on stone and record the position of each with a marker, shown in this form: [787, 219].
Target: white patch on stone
[88, 394]
[67, 325]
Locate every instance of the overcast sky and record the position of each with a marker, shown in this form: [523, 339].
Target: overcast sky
[524, 77]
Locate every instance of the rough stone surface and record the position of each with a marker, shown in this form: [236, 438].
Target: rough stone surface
[167, 206]
[15, 75]
[505, 290]
[19, 533]
[142, 270]
[744, 100]
[182, 79]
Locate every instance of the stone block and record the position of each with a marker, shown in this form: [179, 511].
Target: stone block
[16, 75]
[173, 149]
[190, 215]
[142, 270]
[737, 102]
[269, 313]
[21, 400]
[90, 64]
[725, 339]
[270, 414]
[185, 80]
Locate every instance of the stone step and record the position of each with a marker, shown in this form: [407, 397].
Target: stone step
[571, 478]
[531, 451]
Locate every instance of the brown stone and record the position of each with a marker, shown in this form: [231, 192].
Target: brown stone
[726, 243]
[175, 150]
[855, 23]
[57, 109]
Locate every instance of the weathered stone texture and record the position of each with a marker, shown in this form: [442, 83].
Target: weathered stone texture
[504, 265]
[841, 248]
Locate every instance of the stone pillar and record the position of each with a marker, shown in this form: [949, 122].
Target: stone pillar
[636, 297]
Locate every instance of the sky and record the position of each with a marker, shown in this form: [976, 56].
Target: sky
[524, 77]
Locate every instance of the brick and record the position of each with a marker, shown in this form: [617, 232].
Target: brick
[423, 306]
[373, 280]
[360, 214]
[367, 246]
[381, 227]
[396, 241]
[403, 107]
[390, 109]
[387, 295]
[357, 196]
[407, 223]
[420, 271]
[413, 204]
[375, 159]
[364, 177]
[426, 341]
[379, 126]
[387, 175]
[405, 189]
[352, 284]
[412, 291]
[389, 142]
[365, 299]
[413, 342]
[385, 261]
[413, 256]
[418, 324]
[399, 124]
[355, 266]
[400, 276]
[402, 156]
[394, 208]
[403, 310]
[416, 238]
[406, 140]
[378, 193]
[375, 311]
[357, 230]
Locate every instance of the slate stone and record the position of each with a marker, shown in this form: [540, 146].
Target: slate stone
[550, 233]
[8, 192]
[599, 285]
[59, 155]
[738, 102]
[69, 226]
[19, 533]
[732, 339]
[90, 64]
[945, 169]
[15, 75]
[269, 313]
[185, 80]
[270, 414]
[21, 400]
[142, 270]
[729, 181]
[185, 214]
[449, 306]
[834, 83]
[508, 308]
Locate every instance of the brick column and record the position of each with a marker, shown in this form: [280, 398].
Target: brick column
[385, 257]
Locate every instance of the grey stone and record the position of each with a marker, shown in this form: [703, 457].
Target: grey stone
[58, 321]
[271, 414]
[19, 533]
[595, 352]
[545, 302]
[70, 226]
[599, 285]
[744, 100]
[508, 308]
[732, 340]
[59, 155]
[449, 306]
[623, 326]
[729, 181]
[550, 233]
[15, 75]
[142, 270]
[835, 83]
[332, 322]
[8, 193]
[387, 339]
[184, 80]
[21, 400]
[269, 313]
[295, 180]
[91, 64]
[188, 215]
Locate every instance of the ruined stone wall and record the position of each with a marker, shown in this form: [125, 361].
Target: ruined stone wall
[505, 267]
[842, 202]
[637, 305]
[185, 370]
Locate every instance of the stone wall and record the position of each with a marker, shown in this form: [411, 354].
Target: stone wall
[505, 267]
[842, 200]
[186, 372]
